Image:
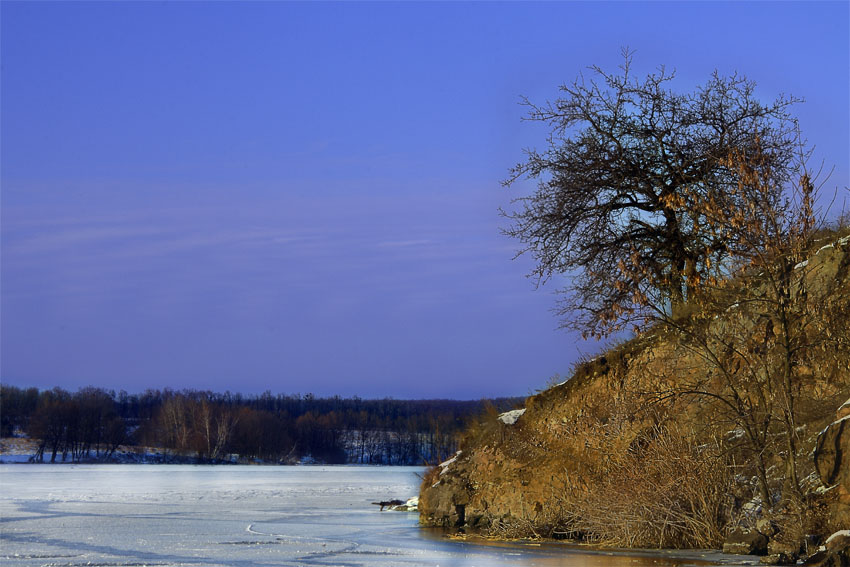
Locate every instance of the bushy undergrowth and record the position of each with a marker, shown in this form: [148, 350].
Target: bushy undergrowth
[668, 491]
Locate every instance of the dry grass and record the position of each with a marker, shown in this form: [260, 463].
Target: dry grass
[666, 492]
[430, 477]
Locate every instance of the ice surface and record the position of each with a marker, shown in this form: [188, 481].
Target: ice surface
[182, 515]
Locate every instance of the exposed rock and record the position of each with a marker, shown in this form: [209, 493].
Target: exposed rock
[778, 559]
[781, 552]
[766, 527]
[443, 503]
[827, 559]
[444, 466]
[843, 411]
[838, 541]
[775, 547]
[527, 469]
[834, 553]
[744, 541]
[832, 461]
[411, 505]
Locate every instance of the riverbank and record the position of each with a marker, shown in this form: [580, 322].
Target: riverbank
[178, 514]
[679, 438]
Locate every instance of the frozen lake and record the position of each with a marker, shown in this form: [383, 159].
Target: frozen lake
[134, 515]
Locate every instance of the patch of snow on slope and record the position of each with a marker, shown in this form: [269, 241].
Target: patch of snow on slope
[445, 464]
[510, 417]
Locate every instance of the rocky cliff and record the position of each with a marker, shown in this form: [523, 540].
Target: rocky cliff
[620, 452]
[832, 461]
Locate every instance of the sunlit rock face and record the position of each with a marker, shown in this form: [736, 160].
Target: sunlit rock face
[510, 478]
[832, 460]
[517, 468]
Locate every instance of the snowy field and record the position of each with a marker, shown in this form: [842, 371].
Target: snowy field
[170, 515]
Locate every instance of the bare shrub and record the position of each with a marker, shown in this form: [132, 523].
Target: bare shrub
[485, 426]
[667, 491]
[798, 518]
[430, 477]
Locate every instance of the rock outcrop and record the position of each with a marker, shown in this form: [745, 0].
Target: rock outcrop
[614, 429]
[745, 541]
[513, 478]
[835, 553]
[832, 462]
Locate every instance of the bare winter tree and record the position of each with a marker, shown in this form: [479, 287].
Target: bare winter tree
[764, 326]
[624, 162]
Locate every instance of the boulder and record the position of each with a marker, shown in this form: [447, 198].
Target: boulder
[838, 541]
[832, 461]
[831, 452]
[411, 505]
[778, 559]
[745, 541]
[826, 559]
[835, 553]
[781, 553]
[776, 547]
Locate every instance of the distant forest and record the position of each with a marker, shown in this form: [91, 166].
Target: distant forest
[201, 426]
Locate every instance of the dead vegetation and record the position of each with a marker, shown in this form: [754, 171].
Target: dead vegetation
[668, 490]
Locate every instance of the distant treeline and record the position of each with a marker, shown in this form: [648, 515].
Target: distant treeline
[92, 423]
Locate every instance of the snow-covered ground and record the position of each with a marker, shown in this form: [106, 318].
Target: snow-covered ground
[170, 515]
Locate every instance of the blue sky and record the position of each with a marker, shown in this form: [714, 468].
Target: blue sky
[302, 197]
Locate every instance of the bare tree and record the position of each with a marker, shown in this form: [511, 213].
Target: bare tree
[624, 162]
[762, 320]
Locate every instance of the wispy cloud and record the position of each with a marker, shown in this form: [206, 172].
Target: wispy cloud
[404, 243]
[63, 240]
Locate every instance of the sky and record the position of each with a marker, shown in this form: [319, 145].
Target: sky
[303, 197]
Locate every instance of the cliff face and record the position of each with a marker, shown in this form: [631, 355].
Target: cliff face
[832, 461]
[518, 478]
[614, 438]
